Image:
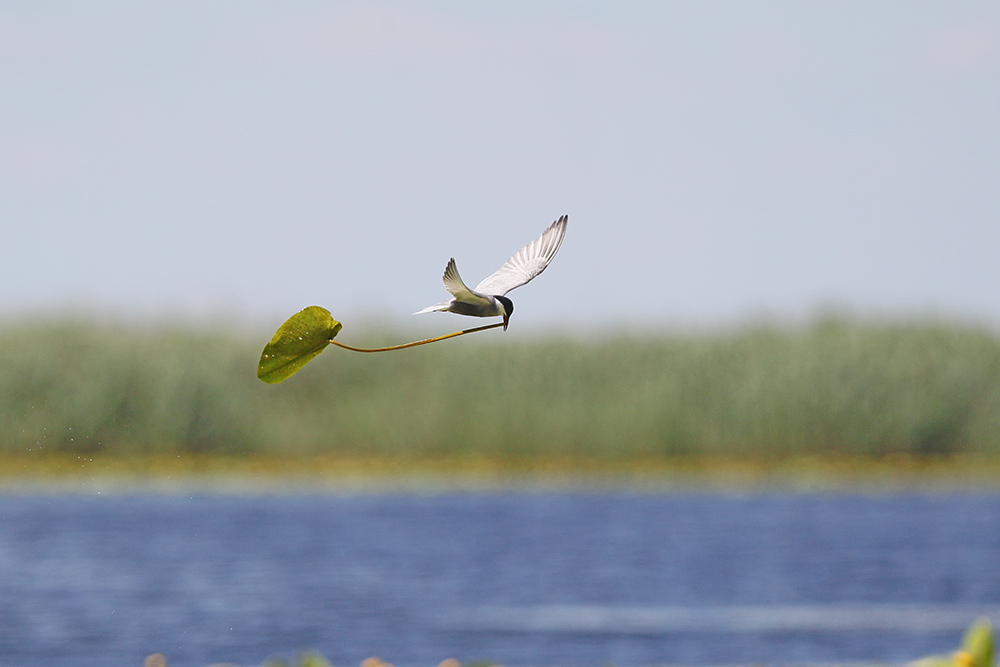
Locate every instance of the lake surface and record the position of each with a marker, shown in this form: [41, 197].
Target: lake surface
[524, 579]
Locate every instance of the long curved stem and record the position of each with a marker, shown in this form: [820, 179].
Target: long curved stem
[418, 342]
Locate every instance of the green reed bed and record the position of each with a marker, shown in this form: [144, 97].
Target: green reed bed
[839, 387]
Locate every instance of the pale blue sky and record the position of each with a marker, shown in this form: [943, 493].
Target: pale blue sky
[718, 161]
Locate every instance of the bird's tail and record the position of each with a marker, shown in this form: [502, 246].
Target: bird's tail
[437, 307]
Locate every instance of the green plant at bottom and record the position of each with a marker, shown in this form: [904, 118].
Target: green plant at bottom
[977, 649]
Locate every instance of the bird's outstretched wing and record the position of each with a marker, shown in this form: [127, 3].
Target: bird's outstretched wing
[459, 292]
[453, 283]
[527, 263]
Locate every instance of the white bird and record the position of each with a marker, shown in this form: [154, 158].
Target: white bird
[488, 299]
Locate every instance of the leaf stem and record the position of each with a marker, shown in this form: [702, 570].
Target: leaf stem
[417, 342]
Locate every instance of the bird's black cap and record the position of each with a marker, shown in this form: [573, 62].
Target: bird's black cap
[508, 309]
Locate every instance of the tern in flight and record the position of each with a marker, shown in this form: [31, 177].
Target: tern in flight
[488, 299]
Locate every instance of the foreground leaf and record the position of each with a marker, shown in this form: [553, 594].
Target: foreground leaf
[303, 336]
[978, 643]
[976, 651]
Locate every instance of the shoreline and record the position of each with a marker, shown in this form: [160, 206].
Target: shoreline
[261, 474]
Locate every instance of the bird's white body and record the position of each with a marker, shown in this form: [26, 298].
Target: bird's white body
[488, 298]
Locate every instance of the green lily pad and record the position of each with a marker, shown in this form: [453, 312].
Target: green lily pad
[303, 336]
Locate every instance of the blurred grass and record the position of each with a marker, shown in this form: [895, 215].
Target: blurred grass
[838, 388]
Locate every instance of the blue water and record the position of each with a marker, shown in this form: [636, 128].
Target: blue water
[523, 579]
